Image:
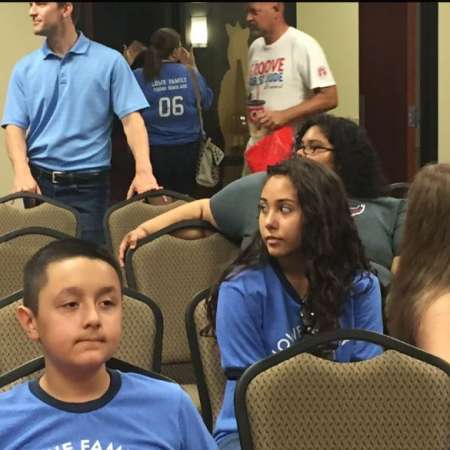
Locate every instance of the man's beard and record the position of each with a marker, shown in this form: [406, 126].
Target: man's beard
[255, 32]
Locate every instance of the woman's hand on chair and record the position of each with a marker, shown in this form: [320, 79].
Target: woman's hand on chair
[130, 241]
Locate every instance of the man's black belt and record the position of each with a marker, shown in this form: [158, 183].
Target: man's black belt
[57, 177]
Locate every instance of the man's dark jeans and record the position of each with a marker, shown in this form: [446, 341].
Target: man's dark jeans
[91, 200]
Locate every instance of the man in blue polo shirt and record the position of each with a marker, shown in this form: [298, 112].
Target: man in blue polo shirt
[58, 117]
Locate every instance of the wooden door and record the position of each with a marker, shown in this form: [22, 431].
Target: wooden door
[388, 97]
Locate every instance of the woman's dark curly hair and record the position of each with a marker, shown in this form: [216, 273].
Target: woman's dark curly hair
[162, 43]
[355, 159]
[332, 253]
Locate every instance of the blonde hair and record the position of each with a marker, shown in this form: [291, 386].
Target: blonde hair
[424, 271]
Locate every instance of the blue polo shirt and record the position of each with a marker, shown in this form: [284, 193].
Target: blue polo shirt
[67, 104]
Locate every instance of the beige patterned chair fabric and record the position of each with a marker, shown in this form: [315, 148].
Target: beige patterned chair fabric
[391, 402]
[125, 216]
[171, 270]
[49, 214]
[140, 343]
[16, 249]
[15, 347]
[206, 359]
[34, 375]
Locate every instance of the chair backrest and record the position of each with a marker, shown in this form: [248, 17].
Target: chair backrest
[398, 190]
[205, 354]
[171, 270]
[47, 214]
[32, 370]
[16, 248]
[140, 344]
[127, 215]
[16, 348]
[141, 341]
[399, 399]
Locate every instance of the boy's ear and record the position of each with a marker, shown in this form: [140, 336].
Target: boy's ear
[27, 321]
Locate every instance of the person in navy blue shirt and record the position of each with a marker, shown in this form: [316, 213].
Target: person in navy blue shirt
[303, 273]
[172, 119]
[58, 117]
[73, 308]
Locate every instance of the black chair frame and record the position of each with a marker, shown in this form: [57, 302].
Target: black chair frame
[143, 196]
[44, 199]
[191, 331]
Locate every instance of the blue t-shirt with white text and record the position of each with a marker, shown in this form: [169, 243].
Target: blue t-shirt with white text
[137, 412]
[172, 118]
[258, 314]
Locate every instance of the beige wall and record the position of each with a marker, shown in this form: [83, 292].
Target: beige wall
[444, 82]
[335, 26]
[16, 40]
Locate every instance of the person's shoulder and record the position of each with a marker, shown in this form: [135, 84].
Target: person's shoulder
[391, 205]
[387, 201]
[105, 51]
[249, 279]
[139, 73]
[12, 398]
[300, 37]
[29, 59]
[254, 179]
[256, 44]
[150, 387]
[250, 184]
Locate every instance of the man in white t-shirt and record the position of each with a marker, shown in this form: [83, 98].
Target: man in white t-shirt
[287, 69]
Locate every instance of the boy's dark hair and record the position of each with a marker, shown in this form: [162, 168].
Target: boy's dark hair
[75, 11]
[35, 271]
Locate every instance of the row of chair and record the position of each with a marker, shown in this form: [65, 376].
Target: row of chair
[164, 267]
[291, 400]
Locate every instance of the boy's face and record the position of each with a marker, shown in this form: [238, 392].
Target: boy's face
[79, 319]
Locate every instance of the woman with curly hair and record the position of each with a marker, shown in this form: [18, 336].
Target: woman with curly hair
[334, 141]
[344, 146]
[418, 305]
[304, 272]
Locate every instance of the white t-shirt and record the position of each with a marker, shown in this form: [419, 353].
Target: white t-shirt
[285, 72]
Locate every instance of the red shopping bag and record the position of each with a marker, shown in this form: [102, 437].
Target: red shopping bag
[270, 150]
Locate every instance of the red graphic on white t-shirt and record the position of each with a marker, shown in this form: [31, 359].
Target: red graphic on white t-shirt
[322, 71]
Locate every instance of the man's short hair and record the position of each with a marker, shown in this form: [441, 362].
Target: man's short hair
[35, 272]
[75, 11]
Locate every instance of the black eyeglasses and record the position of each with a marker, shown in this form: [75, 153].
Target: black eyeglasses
[311, 149]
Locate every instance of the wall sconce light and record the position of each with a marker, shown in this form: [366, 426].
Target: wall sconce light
[199, 31]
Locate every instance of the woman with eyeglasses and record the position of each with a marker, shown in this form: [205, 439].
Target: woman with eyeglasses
[336, 142]
[304, 272]
[418, 304]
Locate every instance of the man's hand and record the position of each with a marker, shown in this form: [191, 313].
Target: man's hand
[271, 119]
[142, 182]
[130, 241]
[24, 182]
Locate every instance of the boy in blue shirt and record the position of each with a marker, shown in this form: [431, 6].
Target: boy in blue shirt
[73, 307]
